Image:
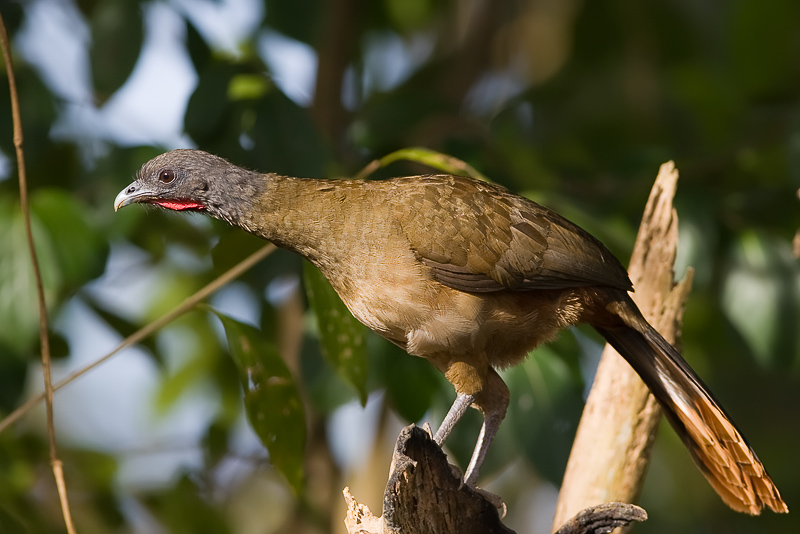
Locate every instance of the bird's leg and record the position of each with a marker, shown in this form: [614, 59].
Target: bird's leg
[491, 423]
[491, 398]
[458, 408]
[492, 401]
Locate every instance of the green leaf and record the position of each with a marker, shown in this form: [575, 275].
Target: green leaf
[117, 33]
[248, 87]
[272, 400]
[13, 379]
[198, 49]
[78, 243]
[409, 14]
[325, 388]
[428, 157]
[70, 252]
[343, 337]
[396, 370]
[19, 310]
[208, 106]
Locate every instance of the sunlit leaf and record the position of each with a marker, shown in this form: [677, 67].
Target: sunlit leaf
[18, 302]
[343, 337]
[272, 400]
[408, 14]
[248, 86]
[70, 253]
[428, 157]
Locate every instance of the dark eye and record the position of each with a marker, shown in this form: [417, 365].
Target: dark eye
[166, 176]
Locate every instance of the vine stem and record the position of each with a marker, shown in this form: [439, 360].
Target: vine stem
[55, 462]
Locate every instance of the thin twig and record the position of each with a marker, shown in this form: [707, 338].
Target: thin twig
[149, 328]
[43, 322]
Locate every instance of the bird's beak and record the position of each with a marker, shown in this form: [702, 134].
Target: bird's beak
[130, 195]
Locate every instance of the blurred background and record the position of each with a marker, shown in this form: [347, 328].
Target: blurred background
[574, 104]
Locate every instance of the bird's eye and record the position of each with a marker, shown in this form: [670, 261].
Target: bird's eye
[166, 176]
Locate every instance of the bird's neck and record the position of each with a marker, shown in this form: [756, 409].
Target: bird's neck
[311, 217]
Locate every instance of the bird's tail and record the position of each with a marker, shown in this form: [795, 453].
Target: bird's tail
[717, 446]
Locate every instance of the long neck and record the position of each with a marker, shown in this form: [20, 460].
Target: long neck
[315, 218]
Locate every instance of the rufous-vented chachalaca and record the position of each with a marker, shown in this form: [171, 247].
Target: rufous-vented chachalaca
[469, 276]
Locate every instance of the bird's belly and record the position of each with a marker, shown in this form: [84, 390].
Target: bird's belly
[446, 325]
[406, 306]
[392, 293]
[498, 330]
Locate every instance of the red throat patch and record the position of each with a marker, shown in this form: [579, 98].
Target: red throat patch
[180, 205]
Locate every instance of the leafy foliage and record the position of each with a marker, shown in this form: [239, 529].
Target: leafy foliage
[343, 337]
[271, 398]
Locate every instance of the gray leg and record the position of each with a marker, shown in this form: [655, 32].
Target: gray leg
[491, 423]
[458, 408]
[493, 403]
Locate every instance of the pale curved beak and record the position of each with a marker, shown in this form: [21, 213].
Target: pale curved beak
[131, 195]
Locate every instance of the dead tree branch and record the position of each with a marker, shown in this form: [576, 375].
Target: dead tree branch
[611, 451]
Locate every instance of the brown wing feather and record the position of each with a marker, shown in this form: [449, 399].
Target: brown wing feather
[488, 239]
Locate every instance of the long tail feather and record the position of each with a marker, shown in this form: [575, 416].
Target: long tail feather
[717, 446]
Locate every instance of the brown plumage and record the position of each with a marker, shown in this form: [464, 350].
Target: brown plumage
[468, 276]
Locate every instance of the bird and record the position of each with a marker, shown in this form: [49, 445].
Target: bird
[469, 276]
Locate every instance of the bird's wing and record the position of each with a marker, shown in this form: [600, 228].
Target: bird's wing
[478, 237]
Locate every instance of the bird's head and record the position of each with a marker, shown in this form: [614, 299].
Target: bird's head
[177, 180]
[192, 180]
